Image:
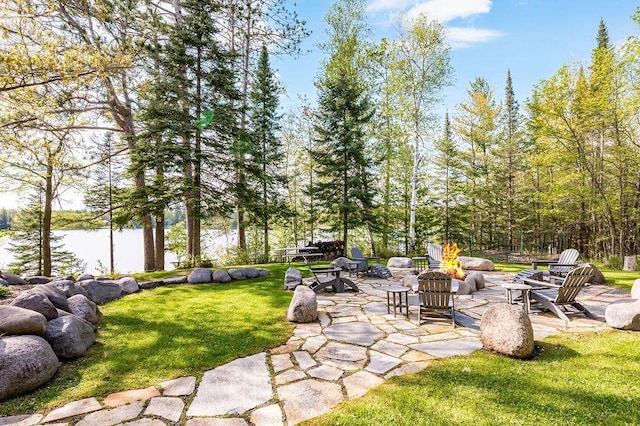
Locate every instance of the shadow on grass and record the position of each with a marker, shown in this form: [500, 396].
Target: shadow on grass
[169, 332]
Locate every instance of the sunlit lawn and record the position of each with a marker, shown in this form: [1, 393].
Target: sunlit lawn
[168, 332]
[576, 380]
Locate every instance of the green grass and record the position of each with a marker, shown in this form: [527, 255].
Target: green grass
[168, 332]
[575, 380]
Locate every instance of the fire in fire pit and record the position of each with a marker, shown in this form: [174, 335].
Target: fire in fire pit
[450, 264]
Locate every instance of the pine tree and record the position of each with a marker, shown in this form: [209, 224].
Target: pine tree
[266, 155]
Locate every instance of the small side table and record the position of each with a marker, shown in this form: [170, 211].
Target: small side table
[524, 288]
[352, 267]
[392, 290]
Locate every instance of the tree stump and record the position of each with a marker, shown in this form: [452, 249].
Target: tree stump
[630, 263]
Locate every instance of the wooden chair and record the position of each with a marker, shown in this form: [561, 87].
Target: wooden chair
[434, 253]
[561, 267]
[434, 293]
[556, 296]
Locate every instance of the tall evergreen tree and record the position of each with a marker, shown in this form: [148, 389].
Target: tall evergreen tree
[266, 152]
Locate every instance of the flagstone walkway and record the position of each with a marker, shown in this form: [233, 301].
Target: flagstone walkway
[353, 347]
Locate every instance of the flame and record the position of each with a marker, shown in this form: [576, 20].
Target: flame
[450, 264]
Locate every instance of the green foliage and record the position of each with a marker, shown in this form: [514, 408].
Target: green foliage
[66, 219]
[4, 292]
[176, 240]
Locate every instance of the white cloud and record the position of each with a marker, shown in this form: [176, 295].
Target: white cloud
[463, 37]
[447, 10]
[383, 5]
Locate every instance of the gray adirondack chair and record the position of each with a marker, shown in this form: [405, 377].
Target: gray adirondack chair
[434, 253]
[434, 293]
[561, 267]
[556, 296]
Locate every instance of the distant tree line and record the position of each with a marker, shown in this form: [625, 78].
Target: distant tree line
[176, 105]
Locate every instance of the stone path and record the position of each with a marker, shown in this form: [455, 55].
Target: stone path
[353, 347]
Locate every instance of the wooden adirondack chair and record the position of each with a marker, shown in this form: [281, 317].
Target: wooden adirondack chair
[556, 296]
[434, 293]
[434, 253]
[561, 267]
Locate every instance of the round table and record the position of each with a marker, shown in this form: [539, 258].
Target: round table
[524, 288]
[392, 290]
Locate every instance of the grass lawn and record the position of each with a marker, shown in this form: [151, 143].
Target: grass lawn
[168, 332]
[575, 380]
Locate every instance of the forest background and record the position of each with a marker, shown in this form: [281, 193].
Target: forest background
[168, 112]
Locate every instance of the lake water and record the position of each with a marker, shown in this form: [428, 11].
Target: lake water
[93, 248]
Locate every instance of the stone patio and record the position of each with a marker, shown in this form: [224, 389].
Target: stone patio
[353, 347]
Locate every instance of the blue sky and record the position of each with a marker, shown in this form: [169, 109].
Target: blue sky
[532, 38]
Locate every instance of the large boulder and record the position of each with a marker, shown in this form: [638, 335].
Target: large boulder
[100, 292]
[199, 276]
[303, 307]
[400, 262]
[16, 320]
[411, 281]
[341, 262]
[65, 278]
[463, 287]
[37, 302]
[470, 283]
[292, 279]
[597, 277]
[478, 277]
[86, 277]
[37, 280]
[26, 363]
[263, 272]
[237, 274]
[12, 279]
[220, 276]
[129, 285]
[506, 329]
[635, 289]
[84, 308]
[180, 279]
[250, 273]
[624, 314]
[3, 282]
[476, 264]
[70, 336]
[54, 294]
[68, 287]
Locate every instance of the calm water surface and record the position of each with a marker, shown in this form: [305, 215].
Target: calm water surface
[93, 248]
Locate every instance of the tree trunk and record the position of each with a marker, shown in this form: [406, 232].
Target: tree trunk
[46, 222]
[414, 197]
[159, 242]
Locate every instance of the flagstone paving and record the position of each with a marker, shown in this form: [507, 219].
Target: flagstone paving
[352, 348]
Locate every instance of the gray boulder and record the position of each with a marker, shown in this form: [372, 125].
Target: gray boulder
[464, 287]
[4, 282]
[66, 286]
[12, 279]
[54, 294]
[476, 264]
[635, 289]
[128, 285]
[292, 279]
[28, 362]
[180, 279]
[624, 314]
[70, 336]
[237, 274]
[411, 281]
[65, 278]
[37, 280]
[86, 277]
[101, 292]
[84, 308]
[303, 307]
[37, 302]
[263, 272]
[400, 262]
[16, 320]
[220, 276]
[597, 277]
[250, 273]
[507, 330]
[470, 281]
[199, 276]
[341, 262]
[478, 277]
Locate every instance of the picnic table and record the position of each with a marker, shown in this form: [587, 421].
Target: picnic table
[308, 253]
